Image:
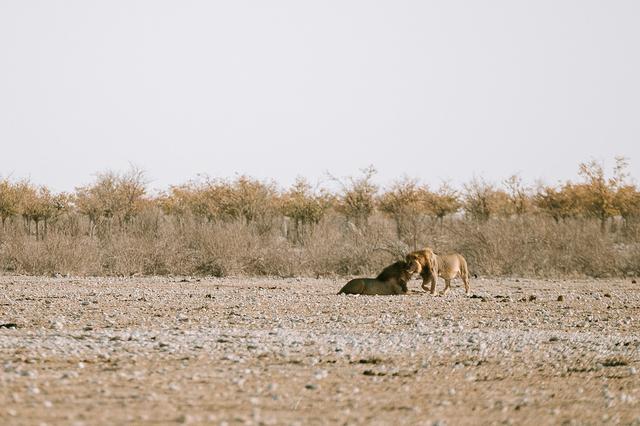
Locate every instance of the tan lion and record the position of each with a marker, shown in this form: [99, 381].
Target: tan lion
[391, 281]
[431, 266]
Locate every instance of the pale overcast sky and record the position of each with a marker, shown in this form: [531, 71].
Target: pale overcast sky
[439, 90]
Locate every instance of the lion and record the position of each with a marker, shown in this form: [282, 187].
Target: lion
[430, 266]
[391, 281]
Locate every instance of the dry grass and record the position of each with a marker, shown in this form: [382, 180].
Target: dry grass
[157, 244]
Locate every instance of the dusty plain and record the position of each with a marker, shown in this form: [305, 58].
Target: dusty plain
[85, 351]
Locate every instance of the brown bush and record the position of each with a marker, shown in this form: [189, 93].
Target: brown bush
[357, 197]
[112, 200]
[304, 207]
[518, 196]
[627, 202]
[482, 200]
[406, 202]
[444, 202]
[559, 203]
[243, 199]
[9, 200]
[597, 193]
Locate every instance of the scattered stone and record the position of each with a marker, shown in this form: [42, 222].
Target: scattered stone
[232, 358]
[294, 331]
[57, 325]
[372, 360]
[615, 362]
[369, 373]
[321, 374]
[183, 418]
[69, 375]
[477, 296]
[11, 325]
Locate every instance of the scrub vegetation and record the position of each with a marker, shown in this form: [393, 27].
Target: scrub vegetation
[244, 226]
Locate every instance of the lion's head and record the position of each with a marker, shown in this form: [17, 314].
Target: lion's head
[413, 264]
[422, 259]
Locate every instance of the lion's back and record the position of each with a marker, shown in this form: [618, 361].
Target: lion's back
[452, 265]
[370, 287]
[395, 271]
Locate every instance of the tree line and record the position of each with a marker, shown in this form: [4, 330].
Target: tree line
[113, 201]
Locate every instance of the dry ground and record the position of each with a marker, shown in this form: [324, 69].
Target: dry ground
[287, 351]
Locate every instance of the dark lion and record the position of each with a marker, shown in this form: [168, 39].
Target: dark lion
[391, 281]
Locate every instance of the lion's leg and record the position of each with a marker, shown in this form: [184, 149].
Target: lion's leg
[464, 274]
[447, 287]
[433, 286]
[424, 284]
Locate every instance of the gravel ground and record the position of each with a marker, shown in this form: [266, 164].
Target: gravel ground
[290, 351]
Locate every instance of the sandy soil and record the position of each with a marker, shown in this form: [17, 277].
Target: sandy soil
[290, 351]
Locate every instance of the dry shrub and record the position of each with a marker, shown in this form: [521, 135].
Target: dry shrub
[304, 206]
[482, 200]
[9, 200]
[58, 253]
[112, 201]
[341, 248]
[534, 247]
[215, 249]
[629, 260]
[129, 254]
[408, 203]
[357, 197]
[530, 246]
